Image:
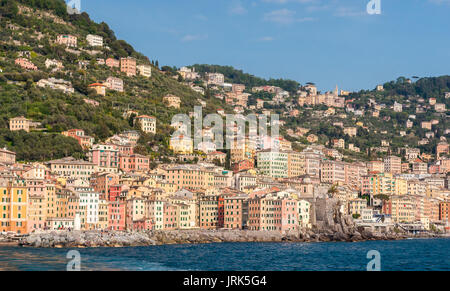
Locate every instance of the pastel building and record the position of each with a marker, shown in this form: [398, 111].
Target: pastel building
[13, 207]
[67, 40]
[145, 70]
[94, 40]
[7, 157]
[105, 157]
[99, 88]
[128, 66]
[115, 84]
[147, 123]
[25, 64]
[84, 141]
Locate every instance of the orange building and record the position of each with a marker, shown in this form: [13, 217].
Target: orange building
[13, 207]
[128, 66]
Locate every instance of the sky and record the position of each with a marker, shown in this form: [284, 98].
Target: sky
[328, 42]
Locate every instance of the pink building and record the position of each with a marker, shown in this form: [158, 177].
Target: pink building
[128, 66]
[134, 163]
[25, 64]
[115, 84]
[112, 63]
[271, 212]
[170, 216]
[85, 141]
[116, 214]
[7, 157]
[105, 156]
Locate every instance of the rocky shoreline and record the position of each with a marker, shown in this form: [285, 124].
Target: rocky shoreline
[88, 239]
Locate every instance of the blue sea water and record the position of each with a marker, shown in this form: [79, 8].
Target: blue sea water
[407, 255]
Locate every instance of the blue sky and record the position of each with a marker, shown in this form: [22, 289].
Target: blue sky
[328, 42]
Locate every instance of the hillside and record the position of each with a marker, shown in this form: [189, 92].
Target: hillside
[236, 76]
[32, 27]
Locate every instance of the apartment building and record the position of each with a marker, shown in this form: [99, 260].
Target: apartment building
[273, 163]
[7, 157]
[128, 66]
[71, 168]
[13, 207]
[147, 123]
[105, 157]
[115, 84]
[393, 164]
[67, 40]
[84, 141]
[145, 70]
[94, 40]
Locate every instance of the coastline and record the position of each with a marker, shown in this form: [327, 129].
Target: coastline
[116, 239]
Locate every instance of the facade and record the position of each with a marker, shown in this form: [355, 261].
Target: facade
[99, 88]
[145, 70]
[172, 101]
[128, 66]
[105, 157]
[115, 84]
[393, 164]
[147, 123]
[273, 164]
[67, 40]
[94, 40]
[13, 207]
[72, 168]
[7, 157]
[84, 141]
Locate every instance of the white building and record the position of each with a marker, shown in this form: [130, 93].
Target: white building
[94, 40]
[145, 70]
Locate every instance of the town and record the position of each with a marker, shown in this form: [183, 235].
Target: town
[270, 183]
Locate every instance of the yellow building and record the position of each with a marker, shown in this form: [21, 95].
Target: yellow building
[13, 207]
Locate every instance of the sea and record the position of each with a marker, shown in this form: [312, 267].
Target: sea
[403, 255]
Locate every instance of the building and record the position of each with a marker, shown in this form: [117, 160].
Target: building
[7, 157]
[181, 144]
[134, 163]
[19, 123]
[25, 64]
[71, 168]
[112, 63]
[84, 141]
[99, 88]
[215, 78]
[115, 84]
[128, 66]
[272, 163]
[67, 40]
[172, 101]
[105, 157]
[145, 70]
[13, 207]
[393, 164]
[94, 40]
[332, 172]
[147, 123]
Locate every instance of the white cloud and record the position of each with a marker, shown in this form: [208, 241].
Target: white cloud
[284, 16]
[237, 8]
[266, 38]
[194, 37]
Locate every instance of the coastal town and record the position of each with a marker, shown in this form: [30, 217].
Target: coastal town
[268, 183]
